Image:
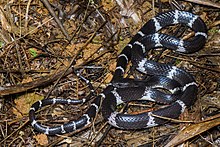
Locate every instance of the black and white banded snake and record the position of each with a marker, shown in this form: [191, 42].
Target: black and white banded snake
[180, 84]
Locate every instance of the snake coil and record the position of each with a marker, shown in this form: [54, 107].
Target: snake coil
[180, 84]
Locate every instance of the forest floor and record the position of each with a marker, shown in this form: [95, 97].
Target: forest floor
[43, 43]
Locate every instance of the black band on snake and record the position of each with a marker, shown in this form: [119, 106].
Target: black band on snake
[180, 84]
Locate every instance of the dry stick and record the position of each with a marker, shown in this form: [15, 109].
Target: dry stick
[195, 63]
[207, 68]
[14, 131]
[172, 119]
[93, 124]
[18, 54]
[205, 2]
[189, 60]
[26, 14]
[50, 9]
[37, 83]
[207, 54]
[109, 127]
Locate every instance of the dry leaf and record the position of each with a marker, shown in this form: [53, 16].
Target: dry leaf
[24, 102]
[41, 139]
[193, 130]
[108, 78]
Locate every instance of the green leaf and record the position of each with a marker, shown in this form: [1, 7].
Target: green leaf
[33, 52]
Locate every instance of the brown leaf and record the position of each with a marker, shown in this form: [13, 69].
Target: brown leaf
[41, 139]
[24, 102]
[108, 78]
[193, 130]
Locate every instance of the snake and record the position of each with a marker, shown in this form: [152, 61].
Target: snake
[166, 83]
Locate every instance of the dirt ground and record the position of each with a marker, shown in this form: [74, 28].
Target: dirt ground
[44, 42]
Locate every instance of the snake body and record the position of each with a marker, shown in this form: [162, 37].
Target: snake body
[181, 86]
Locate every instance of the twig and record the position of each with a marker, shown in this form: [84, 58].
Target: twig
[171, 119]
[50, 9]
[14, 131]
[205, 2]
[37, 83]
